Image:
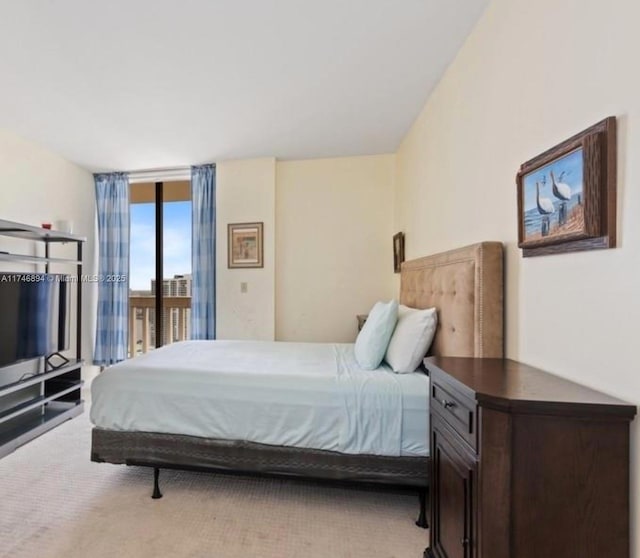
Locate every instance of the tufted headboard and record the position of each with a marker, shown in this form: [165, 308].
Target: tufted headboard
[466, 286]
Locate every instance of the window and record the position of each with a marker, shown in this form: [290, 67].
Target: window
[160, 253]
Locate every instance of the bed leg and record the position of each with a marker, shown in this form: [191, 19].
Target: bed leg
[422, 517]
[156, 485]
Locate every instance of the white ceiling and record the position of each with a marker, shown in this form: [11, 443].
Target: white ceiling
[135, 84]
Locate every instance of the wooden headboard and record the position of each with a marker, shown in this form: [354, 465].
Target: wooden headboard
[466, 287]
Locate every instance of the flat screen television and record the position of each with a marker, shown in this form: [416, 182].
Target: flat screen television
[34, 316]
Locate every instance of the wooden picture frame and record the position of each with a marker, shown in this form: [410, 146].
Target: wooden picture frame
[567, 195]
[245, 245]
[398, 251]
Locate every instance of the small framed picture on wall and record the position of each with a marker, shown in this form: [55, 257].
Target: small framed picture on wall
[245, 248]
[398, 251]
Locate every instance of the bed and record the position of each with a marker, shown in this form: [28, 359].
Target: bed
[299, 409]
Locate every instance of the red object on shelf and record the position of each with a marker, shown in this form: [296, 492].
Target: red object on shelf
[46, 225]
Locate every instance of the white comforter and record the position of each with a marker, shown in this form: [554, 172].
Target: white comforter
[308, 395]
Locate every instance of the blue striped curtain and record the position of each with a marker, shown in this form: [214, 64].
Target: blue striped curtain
[203, 252]
[112, 200]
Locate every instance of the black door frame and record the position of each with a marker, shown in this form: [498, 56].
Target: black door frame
[159, 262]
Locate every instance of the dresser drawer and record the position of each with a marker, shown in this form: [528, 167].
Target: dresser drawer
[458, 411]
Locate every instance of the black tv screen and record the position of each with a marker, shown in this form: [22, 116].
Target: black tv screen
[34, 316]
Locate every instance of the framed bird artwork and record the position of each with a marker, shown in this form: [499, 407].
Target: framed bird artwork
[567, 195]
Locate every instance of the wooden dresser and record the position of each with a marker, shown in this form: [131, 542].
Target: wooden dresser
[525, 464]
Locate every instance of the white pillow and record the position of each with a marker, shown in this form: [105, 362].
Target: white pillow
[411, 339]
[373, 339]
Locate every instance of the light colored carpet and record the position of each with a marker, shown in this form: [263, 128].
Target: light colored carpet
[55, 503]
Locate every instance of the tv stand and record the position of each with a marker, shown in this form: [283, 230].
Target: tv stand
[50, 393]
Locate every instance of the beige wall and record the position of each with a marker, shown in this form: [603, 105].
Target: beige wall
[245, 192]
[333, 234]
[530, 75]
[37, 186]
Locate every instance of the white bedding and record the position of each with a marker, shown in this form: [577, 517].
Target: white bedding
[307, 395]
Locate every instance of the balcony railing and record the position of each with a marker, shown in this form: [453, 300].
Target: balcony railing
[142, 322]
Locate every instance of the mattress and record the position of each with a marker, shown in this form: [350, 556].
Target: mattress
[304, 395]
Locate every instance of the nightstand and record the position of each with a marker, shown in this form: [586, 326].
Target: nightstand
[362, 318]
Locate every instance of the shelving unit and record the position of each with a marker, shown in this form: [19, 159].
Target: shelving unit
[33, 259]
[26, 414]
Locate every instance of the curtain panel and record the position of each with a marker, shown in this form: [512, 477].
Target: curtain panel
[203, 255]
[112, 201]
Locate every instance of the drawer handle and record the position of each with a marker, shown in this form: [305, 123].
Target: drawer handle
[448, 404]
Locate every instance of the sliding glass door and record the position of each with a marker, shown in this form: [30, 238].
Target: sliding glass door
[160, 268]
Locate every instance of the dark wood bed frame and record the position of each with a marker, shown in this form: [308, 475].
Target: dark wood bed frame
[465, 285]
